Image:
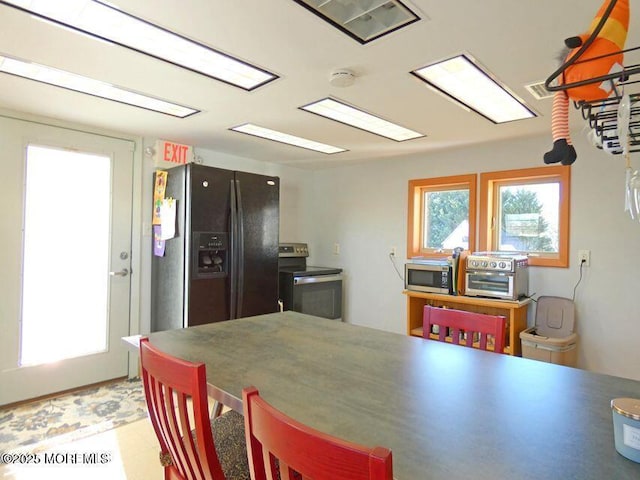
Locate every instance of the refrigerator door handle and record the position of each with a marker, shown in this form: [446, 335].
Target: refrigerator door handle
[233, 247]
[240, 246]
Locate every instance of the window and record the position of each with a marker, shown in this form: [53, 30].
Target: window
[527, 211]
[442, 214]
[60, 304]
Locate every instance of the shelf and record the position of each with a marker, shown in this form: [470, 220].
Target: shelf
[462, 299]
[514, 311]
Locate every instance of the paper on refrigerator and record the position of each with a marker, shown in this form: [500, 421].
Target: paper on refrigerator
[168, 218]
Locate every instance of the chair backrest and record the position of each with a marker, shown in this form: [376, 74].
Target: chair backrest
[280, 447]
[169, 383]
[460, 327]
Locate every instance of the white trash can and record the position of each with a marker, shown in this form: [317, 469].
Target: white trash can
[552, 339]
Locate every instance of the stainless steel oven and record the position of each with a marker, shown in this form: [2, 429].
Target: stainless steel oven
[308, 289]
[497, 275]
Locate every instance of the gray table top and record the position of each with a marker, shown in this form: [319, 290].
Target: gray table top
[446, 412]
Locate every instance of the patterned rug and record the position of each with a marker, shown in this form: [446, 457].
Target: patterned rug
[39, 425]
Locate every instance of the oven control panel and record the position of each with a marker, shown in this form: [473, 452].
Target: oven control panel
[293, 250]
[497, 263]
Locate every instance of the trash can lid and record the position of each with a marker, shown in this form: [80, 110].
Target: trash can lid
[555, 316]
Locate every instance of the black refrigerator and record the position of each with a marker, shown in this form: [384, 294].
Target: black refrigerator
[223, 262]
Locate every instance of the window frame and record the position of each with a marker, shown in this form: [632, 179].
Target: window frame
[489, 186]
[415, 224]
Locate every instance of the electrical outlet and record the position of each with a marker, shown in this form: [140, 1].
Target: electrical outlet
[392, 251]
[584, 257]
[336, 249]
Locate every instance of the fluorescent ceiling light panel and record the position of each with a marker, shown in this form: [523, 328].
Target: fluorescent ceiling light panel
[78, 83]
[363, 20]
[106, 22]
[461, 79]
[276, 136]
[343, 113]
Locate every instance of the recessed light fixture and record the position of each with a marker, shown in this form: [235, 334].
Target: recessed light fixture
[462, 80]
[343, 113]
[106, 22]
[362, 20]
[276, 136]
[97, 88]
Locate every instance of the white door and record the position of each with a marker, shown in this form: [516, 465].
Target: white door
[65, 247]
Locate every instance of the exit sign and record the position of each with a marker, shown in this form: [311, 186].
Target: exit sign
[174, 152]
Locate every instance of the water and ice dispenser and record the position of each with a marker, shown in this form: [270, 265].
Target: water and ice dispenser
[212, 258]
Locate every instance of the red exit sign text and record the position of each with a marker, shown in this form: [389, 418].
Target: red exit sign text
[175, 152]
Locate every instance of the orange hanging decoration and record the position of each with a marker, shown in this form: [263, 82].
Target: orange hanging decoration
[602, 57]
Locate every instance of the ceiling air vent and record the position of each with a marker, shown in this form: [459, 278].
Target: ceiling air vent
[538, 91]
[362, 20]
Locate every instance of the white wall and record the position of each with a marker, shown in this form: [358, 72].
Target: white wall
[295, 202]
[364, 209]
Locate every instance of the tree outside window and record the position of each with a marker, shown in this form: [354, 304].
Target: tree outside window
[447, 219]
[527, 211]
[442, 215]
[524, 225]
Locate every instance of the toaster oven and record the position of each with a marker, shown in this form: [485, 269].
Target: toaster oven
[499, 276]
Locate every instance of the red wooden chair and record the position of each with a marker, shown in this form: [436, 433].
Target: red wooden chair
[470, 329]
[191, 446]
[282, 448]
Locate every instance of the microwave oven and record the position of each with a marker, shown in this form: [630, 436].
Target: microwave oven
[433, 276]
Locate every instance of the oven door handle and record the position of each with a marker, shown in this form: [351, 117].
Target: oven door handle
[317, 279]
[487, 274]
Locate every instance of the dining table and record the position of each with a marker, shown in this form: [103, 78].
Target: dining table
[445, 411]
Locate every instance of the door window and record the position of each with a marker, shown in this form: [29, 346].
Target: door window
[66, 255]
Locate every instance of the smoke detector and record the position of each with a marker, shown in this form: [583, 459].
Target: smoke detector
[342, 78]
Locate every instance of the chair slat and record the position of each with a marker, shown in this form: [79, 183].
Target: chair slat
[174, 435]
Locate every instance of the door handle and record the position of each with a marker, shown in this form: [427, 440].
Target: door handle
[317, 279]
[122, 273]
